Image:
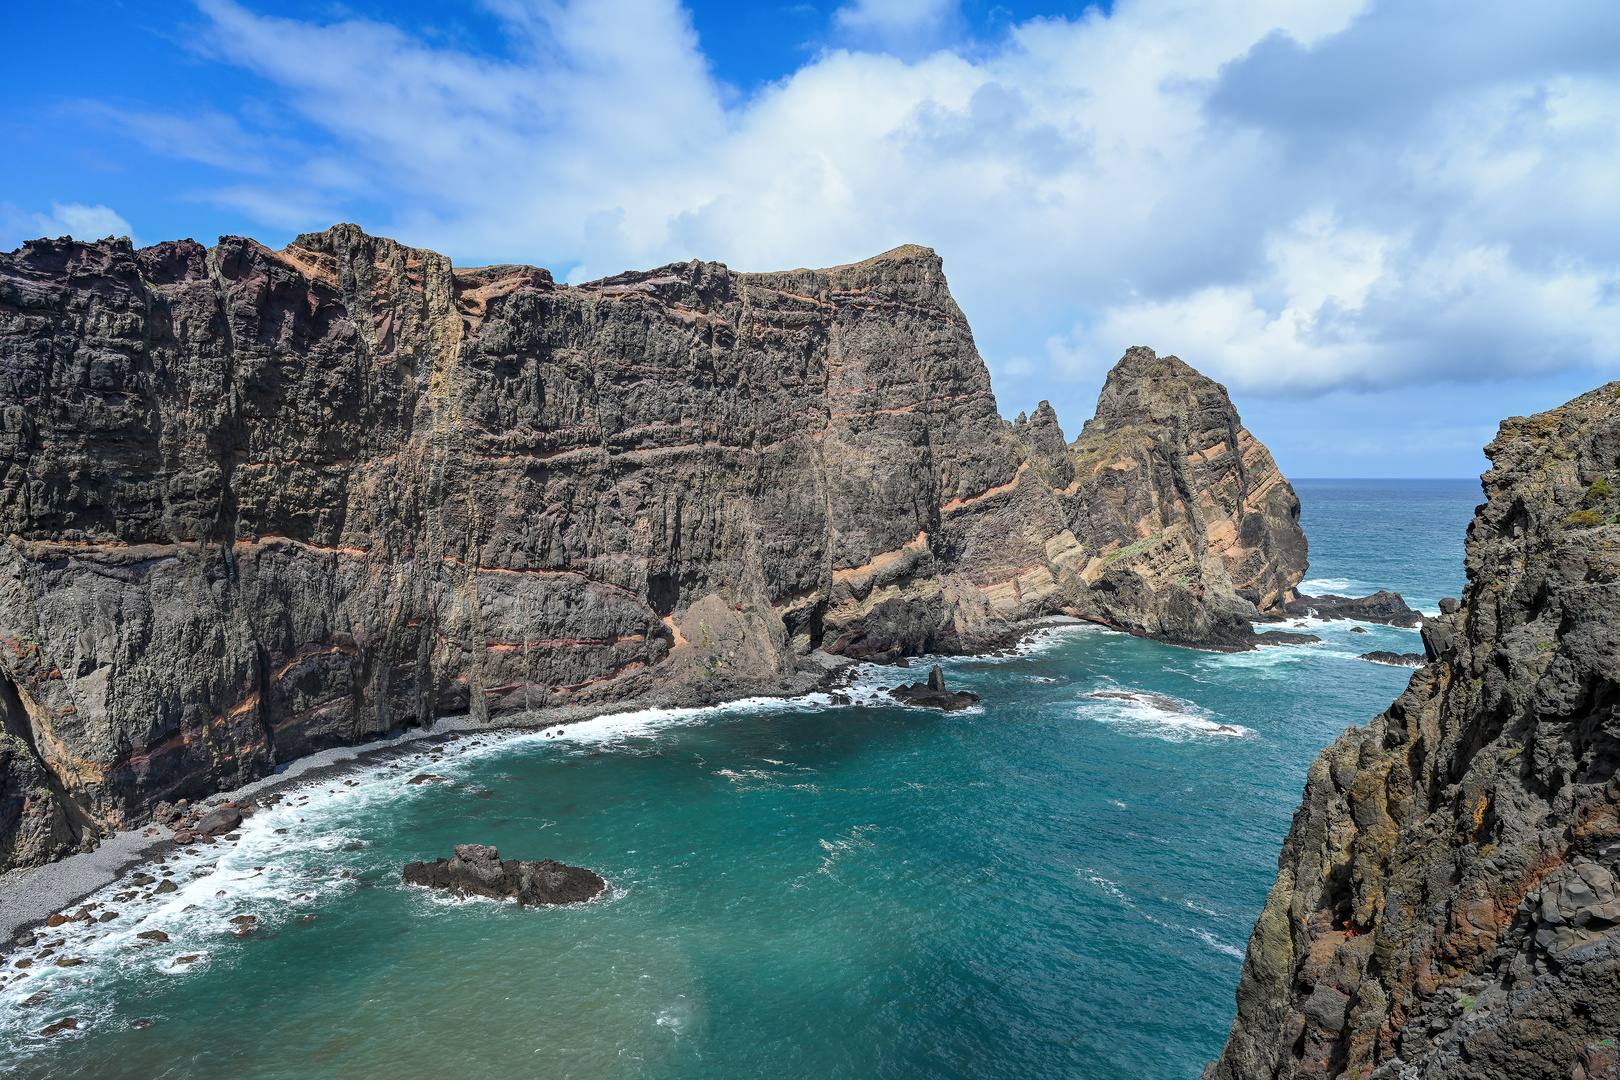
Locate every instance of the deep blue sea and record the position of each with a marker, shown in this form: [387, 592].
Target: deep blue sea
[1059, 883]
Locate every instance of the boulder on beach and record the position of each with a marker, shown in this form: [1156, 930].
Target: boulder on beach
[219, 821]
[932, 694]
[478, 870]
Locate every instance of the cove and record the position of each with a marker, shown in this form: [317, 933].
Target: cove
[1057, 883]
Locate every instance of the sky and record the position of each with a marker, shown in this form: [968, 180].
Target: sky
[1383, 226]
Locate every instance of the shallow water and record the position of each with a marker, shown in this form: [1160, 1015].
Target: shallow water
[1059, 882]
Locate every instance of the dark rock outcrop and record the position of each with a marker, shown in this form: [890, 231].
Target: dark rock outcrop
[1446, 902]
[1382, 606]
[478, 870]
[258, 503]
[1409, 659]
[1285, 637]
[933, 695]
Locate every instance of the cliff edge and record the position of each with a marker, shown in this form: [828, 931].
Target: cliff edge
[1447, 902]
[258, 503]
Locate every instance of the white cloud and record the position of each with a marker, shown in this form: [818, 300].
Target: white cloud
[65, 219]
[1295, 197]
[894, 13]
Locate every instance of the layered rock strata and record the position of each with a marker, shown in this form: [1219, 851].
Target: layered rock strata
[1447, 902]
[257, 503]
[1190, 530]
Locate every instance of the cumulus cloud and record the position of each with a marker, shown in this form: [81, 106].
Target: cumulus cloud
[65, 219]
[1298, 198]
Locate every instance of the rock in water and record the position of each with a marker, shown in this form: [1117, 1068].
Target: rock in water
[1382, 606]
[219, 821]
[1446, 904]
[1409, 659]
[266, 421]
[1285, 637]
[478, 870]
[933, 695]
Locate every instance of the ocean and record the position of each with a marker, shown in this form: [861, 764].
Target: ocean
[1059, 882]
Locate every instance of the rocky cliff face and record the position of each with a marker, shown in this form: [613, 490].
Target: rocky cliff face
[257, 503]
[1190, 527]
[1446, 902]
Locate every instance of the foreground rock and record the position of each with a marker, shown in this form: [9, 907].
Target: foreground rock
[933, 695]
[257, 503]
[1382, 606]
[477, 870]
[1446, 903]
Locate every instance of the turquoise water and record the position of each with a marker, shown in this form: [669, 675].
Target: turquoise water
[1055, 884]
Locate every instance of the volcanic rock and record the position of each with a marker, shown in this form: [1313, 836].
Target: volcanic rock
[478, 870]
[1382, 606]
[219, 821]
[933, 695]
[1410, 659]
[1446, 904]
[1187, 526]
[378, 489]
[1285, 637]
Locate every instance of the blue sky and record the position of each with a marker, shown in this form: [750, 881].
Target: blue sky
[1383, 225]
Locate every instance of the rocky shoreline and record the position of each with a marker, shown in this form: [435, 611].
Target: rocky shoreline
[30, 895]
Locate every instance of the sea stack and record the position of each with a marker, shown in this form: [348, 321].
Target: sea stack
[1447, 902]
[257, 503]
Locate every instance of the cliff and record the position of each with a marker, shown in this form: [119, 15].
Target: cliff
[258, 502]
[1193, 528]
[1446, 900]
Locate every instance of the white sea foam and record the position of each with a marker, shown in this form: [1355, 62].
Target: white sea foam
[1215, 943]
[1155, 715]
[1337, 586]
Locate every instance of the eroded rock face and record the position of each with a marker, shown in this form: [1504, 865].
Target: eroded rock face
[478, 870]
[1186, 527]
[1445, 903]
[258, 503]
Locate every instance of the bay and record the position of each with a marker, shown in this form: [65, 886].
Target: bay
[1059, 883]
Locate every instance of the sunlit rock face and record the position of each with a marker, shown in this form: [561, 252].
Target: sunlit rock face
[257, 503]
[1446, 903]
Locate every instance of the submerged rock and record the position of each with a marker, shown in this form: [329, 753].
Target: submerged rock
[933, 695]
[478, 870]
